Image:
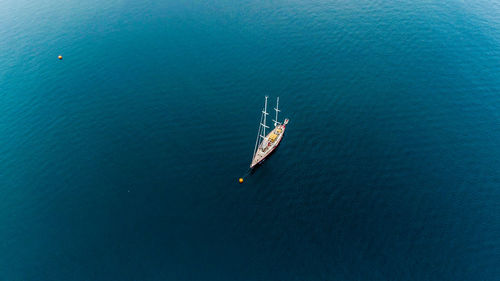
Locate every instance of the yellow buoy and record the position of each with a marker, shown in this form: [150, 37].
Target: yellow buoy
[241, 180]
[59, 57]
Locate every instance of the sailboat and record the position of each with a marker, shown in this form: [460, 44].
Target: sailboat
[265, 144]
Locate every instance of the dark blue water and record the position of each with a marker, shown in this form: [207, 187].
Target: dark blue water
[120, 162]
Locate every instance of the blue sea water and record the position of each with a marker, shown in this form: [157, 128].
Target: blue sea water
[120, 162]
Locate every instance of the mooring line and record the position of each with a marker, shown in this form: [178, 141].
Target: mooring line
[240, 180]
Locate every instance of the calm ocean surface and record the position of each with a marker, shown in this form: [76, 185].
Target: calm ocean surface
[120, 162]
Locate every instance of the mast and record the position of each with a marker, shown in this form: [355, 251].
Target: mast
[263, 124]
[277, 110]
[261, 133]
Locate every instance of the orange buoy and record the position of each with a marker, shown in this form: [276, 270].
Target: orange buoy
[59, 57]
[241, 180]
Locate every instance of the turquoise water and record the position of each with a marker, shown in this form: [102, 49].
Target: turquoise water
[120, 162]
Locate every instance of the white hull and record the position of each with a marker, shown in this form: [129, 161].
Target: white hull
[273, 139]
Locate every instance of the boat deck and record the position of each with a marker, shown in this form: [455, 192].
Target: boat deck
[270, 145]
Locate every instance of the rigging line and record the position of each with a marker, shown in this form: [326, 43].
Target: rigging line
[257, 141]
